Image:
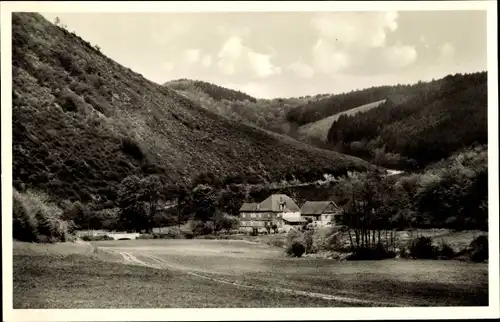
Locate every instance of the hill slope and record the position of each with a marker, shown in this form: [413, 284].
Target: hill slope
[82, 123]
[319, 129]
[215, 92]
[268, 114]
[325, 106]
[436, 120]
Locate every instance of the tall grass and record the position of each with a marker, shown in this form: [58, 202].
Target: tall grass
[36, 219]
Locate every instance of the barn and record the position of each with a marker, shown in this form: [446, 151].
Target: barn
[321, 213]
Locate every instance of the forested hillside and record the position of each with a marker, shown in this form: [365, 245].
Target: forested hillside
[436, 120]
[323, 107]
[82, 123]
[269, 114]
[318, 131]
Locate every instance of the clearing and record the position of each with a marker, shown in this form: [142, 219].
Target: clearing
[229, 273]
[319, 130]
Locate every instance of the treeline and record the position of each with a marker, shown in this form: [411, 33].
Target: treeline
[323, 107]
[440, 118]
[454, 196]
[216, 92]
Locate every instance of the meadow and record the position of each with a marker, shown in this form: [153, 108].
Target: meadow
[230, 273]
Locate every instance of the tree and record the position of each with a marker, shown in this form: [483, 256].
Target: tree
[151, 193]
[203, 202]
[371, 207]
[138, 201]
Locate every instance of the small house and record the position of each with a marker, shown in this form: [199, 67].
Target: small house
[321, 213]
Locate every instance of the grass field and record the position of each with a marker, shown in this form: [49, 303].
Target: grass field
[215, 273]
[319, 129]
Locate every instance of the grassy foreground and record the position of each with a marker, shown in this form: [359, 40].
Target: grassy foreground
[200, 273]
[71, 277]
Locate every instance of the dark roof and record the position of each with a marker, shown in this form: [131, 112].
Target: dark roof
[316, 207]
[273, 202]
[249, 207]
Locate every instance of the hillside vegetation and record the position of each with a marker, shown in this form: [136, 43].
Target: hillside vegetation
[82, 123]
[325, 106]
[215, 92]
[435, 120]
[402, 126]
[319, 129]
[268, 114]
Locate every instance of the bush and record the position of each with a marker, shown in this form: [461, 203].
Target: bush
[479, 249]
[421, 247]
[98, 238]
[132, 148]
[254, 232]
[69, 101]
[24, 225]
[146, 236]
[170, 234]
[188, 234]
[404, 252]
[292, 235]
[445, 251]
[36, 219]
[203, 228]
[296, 249]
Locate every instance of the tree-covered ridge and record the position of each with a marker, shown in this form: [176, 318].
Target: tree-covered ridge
[269, 114]
[438, 119]
[323, 107]
[216, 92]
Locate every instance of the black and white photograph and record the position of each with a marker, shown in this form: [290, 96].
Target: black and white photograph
[334, 156]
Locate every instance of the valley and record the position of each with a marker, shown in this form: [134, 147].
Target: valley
[129, 193]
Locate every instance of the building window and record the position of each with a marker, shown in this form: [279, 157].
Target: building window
[253, 215]
[243, 215]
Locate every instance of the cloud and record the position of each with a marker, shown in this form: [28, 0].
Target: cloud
[357, 42]
[192, 55]
[301, 69]
[261, 64]
[206, 61]
[399, 56]
[446, 52]
[234, 57]
[356, 29]
[327, 58]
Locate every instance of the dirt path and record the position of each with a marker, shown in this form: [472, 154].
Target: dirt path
[159, 263]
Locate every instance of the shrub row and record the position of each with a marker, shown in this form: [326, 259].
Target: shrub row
[96, 238]
[423, 248]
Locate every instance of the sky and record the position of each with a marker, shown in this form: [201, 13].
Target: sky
[289, 54]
